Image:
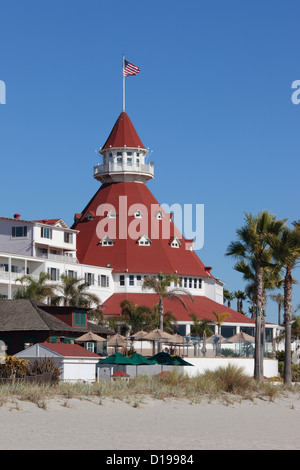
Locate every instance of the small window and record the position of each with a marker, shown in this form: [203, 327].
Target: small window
[139, 280]
[53, 274]
[19, 231]
[129, 161]
[122, 280]
[200, 283]
[46, 232]
[79, 319]
[195, 283]
[71, 274]
[103, 281]
[68, 237]
[185, 282]
[144, 241]
[131, 280]
[190, 282]
[119, 161]
[89, 279]
[119, 154]
[107, 242]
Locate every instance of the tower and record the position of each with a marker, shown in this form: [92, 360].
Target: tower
[123, 155]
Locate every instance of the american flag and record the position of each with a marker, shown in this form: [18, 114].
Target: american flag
[130, 69]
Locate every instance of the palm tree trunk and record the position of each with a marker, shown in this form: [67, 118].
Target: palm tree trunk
[161, 319]
[258, 362]
[288, 313]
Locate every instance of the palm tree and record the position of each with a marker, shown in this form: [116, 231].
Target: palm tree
[252, 247]
[228, 296]
[272, 278]
[161, 286]
[74, 293]
[200, 326]
[240, 296]
[221, 318]
[35, 289]
[137, 316]
[279, 299]
[286, 251]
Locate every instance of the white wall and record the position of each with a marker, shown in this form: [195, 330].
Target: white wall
[202, 364]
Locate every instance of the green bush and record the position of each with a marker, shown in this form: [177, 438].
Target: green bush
[295, 371]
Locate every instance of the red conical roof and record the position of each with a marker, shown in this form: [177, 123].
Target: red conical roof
[123, 134]
[127, 254]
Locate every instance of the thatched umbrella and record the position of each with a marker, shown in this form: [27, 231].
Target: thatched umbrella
[140, 336]
[177, 340]
[241, 338]
[158, 335]
[90, 338]
[215, 340]
[117, 341]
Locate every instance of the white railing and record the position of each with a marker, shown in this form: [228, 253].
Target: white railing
[115, 168]
[14, 276]
[64, 258]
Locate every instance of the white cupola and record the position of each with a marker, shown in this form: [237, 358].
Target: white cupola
[123, 155]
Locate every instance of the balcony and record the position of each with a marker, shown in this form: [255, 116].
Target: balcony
[146, 172]
[63, 258]
[9, 276]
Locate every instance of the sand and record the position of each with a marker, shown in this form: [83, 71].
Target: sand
[152, 425]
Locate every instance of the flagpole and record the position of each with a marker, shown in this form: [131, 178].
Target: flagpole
[123, 82]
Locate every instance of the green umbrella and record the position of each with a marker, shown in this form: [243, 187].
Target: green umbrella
[162, 358]
[181, 362]
[139, 360]
[116, 358]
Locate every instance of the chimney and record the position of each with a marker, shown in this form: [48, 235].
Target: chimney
[208, 269]
[17, 216]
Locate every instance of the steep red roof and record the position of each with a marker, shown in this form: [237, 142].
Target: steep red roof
[126, 254]
[202, 307]
[123, 134]
[69, 350]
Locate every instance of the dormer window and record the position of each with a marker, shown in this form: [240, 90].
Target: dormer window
[175, 243]
[107, 241]
[90, 215]
[144, 241]
[138, 214]
[159, 215]
[111, 214]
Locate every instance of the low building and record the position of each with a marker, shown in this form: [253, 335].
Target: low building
[25, 322]
[74, 362]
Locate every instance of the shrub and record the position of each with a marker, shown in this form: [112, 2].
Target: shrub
[44, 366]
[230, 379]
[13, 367]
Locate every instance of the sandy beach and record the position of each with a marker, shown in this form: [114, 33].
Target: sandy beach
[88, 424]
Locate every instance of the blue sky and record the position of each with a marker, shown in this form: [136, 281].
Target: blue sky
[212, 101]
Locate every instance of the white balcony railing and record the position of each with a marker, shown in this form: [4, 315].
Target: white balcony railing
[7, 276]
[50, 256]
[123, 167]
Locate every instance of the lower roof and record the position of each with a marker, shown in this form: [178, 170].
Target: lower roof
[202, 306]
